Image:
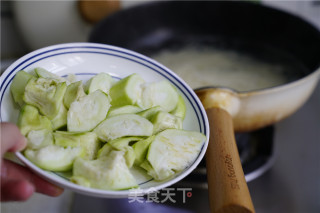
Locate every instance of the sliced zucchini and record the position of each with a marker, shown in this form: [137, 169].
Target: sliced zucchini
[71, 78]
[73, 93]
[86, 113]
[39, 138]
[140, 149]
[43, 73]
[30, 119]
[129, 156]
[54, 158]
[61, 118]
[165, 174]
[172, 151]
[108, 172]
[18, 85]
[123, 125]
[123, 110]
[102, 81]
[164, 120]
[46, 95]
[160, 119]
[80, 181]
[105, 150]
[180, 110]
[160, 93]
[127, 91]
[123, 144]
[88, 141]
[149, 113]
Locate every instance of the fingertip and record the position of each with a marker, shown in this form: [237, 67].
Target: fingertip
[49, 189]
[26, 190]
[57, 192]
[11, 138]
[20, 190]
[22, 143]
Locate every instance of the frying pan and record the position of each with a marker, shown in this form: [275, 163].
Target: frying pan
[265, 34]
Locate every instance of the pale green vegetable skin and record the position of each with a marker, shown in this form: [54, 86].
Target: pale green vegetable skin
[149, 113]
[43, 73]
[123, 144]
[127, 91]
[105, 150]
[60, 120]
[74, 92]
[123, 125]
[18, 85]
[101, 81]
[54, 158]
[141, 128]
[140, 149]
[124, 110]
[181, 109]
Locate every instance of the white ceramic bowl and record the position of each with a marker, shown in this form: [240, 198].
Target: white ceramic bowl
[85, 60]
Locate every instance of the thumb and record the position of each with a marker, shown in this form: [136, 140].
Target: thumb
[11, 138]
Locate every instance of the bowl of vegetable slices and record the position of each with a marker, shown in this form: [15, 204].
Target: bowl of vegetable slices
[102, 120]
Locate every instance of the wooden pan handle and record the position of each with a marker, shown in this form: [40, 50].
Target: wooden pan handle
[228, 190]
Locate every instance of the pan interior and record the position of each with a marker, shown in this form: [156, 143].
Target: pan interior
[240, 31]
[237, 65]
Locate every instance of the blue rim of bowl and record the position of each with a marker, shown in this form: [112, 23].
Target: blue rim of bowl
[71, 48]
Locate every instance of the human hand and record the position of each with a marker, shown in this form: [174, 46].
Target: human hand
[17, 182]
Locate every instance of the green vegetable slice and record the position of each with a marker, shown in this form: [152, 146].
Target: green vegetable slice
[30, 119]
[149, 113]
[39, 138]
[108, 172]
[88, 141]
[160, 93]
[54, 158]
[172, 151]
[60, 120]
[80, 181]
[140, 149]
[102, 81]
[73, 93]
[123, 110]
[160, 119]
[86, 113]
[123, 144]
[164, 120]
[123, 125]
[43, 73]
[105, 150]
[127, 91]
[18, 85]
[46, 95]
[180, 110]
